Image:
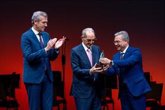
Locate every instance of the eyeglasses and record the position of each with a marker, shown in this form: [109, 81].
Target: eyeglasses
[90, 40]
[116, 42]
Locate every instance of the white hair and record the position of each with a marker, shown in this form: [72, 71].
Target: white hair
[37, 14]
[84, 31]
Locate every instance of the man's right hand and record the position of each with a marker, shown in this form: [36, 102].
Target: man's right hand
[50, 44]
[105, 61]
[96, 69]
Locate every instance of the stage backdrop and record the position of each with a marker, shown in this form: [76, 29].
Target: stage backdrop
[144, 21]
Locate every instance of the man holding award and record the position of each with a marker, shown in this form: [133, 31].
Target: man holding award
[86, 87]
[127, 64]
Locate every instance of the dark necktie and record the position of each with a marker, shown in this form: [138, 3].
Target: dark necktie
[42, 45]
[41, 40]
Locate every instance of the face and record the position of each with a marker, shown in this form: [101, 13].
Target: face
[41, 24]
[89, 39]
[120, 43]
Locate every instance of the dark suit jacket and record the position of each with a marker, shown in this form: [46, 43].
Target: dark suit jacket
[35, 57]
[131, 71]
[83, 84]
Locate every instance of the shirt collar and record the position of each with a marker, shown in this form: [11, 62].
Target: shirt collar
[35, 31]
[85, 47]
[125, 50]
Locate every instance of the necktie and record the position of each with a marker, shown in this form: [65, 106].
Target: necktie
[89, 53]
[121, 55]
[41, 40]
[42, 45]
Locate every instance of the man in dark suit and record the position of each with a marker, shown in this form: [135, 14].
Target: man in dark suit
[85, 87]
[127, 64]
[38, 49]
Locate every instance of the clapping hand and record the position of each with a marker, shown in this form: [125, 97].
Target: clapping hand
[50, 44]
[60, 42]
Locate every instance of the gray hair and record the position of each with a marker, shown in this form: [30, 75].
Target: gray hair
[84, 31]
[37, 14]
[124, 34]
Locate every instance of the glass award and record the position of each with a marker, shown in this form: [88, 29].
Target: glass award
[101, 56]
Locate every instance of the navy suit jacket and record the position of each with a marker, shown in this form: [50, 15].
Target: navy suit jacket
[131, 71]
[35, 58]
[83, 84]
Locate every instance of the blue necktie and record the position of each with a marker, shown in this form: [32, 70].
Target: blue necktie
[121, 55]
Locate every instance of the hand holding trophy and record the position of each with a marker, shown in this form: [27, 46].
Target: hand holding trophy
[104, 62]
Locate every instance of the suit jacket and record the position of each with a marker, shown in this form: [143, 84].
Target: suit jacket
[83, 84]
[35, 58]
[130, 71]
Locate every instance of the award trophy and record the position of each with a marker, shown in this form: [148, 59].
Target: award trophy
[99, 64]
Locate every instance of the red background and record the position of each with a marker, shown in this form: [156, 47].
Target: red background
[144, 21]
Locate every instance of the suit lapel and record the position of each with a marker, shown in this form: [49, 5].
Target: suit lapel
[34, 37]
[84, 55]
[118, 56]
[44, 39]
[94, 55]
[127, 53]
[95, 58]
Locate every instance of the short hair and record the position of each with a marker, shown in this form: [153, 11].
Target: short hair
[84, 31]
[37, 14]
[124, 34]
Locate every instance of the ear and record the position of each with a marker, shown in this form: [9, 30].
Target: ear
[35, 21]
[82, 38]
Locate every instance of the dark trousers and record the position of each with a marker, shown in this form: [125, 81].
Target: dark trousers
[91, 103]
[40, 95]
[129, 102]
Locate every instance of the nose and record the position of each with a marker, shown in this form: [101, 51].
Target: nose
[115, 43]
[91, 41]
[46, 24]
